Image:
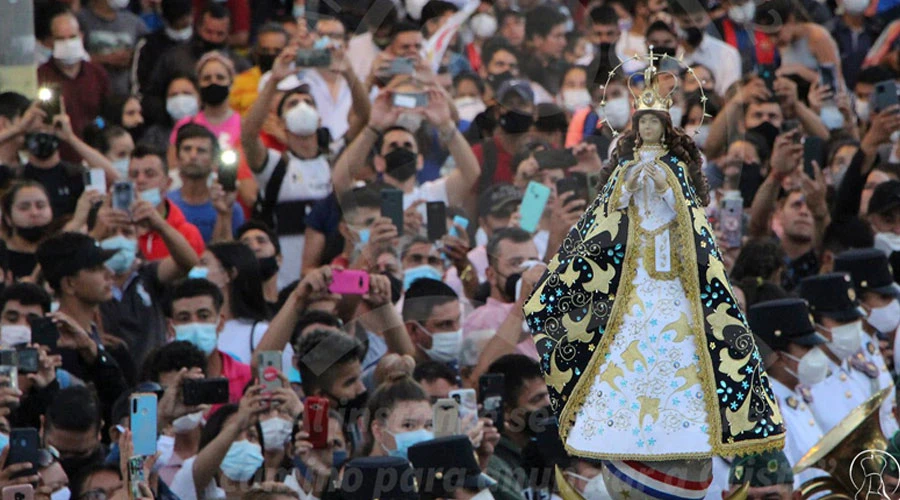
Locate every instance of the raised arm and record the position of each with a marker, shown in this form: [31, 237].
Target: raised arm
[251, 125]
[467, 171]
[349, 164]
[182, 256]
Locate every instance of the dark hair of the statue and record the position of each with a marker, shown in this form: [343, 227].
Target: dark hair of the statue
[678, 144]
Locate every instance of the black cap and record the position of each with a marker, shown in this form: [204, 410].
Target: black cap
[778, 322]
[885, 197]
[869, 269]
[770, 468]
[446, 464]
[833, 295]
[65, 254]
[498, 198]
[379, 478]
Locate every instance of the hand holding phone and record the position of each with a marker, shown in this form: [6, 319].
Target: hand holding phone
[44, 331]
[228, 166]
[143, 423]
[532, 208]
[23, 448]
[315, 421]
[490, 396]
[209, 391]
[349, 282]
[445, 417]
[123, 196]
[392, 207]
[19, 492]
[269, 368]
[436, 212]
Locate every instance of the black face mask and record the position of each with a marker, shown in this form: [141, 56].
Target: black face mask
[400, 164]
[767, 132]
[513, 122]
[535, 420]
[693, 36]
[214, 94]
[74, 465]
[396, 287]
[32, 234]
[41, 144]
[265, 61]
[670, 51]
[346, 407]
[496, 80]
[268, 267]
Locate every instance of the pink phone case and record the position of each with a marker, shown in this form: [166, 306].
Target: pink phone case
[349, 282]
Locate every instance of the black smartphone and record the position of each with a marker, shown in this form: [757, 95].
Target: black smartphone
[207, 391]
[49, 101]
[791, 125]
[392, 207]
[885, 95]
[813, 150]
[767, 73]
[228, 167]
[28, 360]
[23, 448]
[555, 158]
[44, 331]
[827, 77]
[490, 397]
[569, 188]
[410, 99]
[437, 219]
[313, 58]
[122, 195]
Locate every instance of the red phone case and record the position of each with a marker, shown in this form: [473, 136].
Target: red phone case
[315, 421]
[349, 282]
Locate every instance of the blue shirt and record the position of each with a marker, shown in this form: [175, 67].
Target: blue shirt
[204, 216]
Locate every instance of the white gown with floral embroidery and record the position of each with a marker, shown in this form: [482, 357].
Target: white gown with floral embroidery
[646, 399]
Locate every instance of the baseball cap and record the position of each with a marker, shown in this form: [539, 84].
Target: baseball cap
[65, 254]
[498, 198]
[885, 197]
[513, 87]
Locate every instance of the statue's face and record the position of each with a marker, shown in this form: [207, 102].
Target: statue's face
[651, 128]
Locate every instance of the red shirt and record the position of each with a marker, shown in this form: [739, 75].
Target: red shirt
[504, 172]
[154, 248]
[83, 96]
[238, 375]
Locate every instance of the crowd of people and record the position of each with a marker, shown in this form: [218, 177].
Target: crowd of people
[258, 146]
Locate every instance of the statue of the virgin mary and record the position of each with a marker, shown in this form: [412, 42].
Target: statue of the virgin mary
[646, 353]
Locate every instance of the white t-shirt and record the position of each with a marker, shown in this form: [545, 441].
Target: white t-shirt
[183, 484]
[362, 51]
[235, 340]
[305, 180]
[435, 190]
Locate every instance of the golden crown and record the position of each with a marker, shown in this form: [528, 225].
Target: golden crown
[650, 97]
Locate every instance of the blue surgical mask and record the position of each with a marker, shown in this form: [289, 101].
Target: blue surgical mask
[122, 261]
[152, 196]
[423, 271]
[242, 461]
[198, 273]
[338, 457]
[406, 439]
[121, 166]
[322, 43]
[202, 335]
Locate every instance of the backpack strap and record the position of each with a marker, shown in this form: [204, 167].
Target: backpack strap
[270, 195]
[489, 163]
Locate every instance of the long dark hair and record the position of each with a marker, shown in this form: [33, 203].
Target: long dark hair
[678, 144]
[246, 295]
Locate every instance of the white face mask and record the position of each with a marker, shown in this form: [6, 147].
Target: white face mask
[743, 14]
[182, 105]
[119, 4]
[187, 423]
[276, 432]
[595, 489]
[469, 107]
[885, 319]
[617, 112]
[302, 120]
[575, 99]
[181, 35]
[831, 117]
[699, 134]
[445, 346]
[63, 493]
[483, 25]
[855, 7]
[676, 113]
[895, 137]
[845, 339]
[69, 51]
[887, 243]
[410, 121]
[12, 335]
[862, 109]
[812, 368]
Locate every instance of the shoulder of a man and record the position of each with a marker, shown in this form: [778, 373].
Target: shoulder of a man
[177, 220]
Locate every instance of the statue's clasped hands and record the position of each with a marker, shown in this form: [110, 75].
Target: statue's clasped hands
[651, 170]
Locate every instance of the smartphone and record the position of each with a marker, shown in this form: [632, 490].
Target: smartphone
[392, 207]
[410, 99]
[20, 492]
[490, 395]
[731, 220]
[209, 391]
[95, 180]
[532, 207]
[9, 368]
[885, 95]
[569, 188]
[44, 331]
[349, 282]
[749, 184]
[827, 77]
[228, 166]
[315, 421]
[790, 126]
[813, 151]
[446, 417]
[313, 58]
[555, 158]
[122, 195]
[143, 423]
[436, 212]
[135, 476]
[49, 99]
[458, 220]
[468, 408]
[23, 448]
[269, 366]
[28, 360]
[767, 73]
[402, 66]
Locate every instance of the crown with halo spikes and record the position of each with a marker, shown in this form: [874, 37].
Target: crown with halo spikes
[650, 97]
